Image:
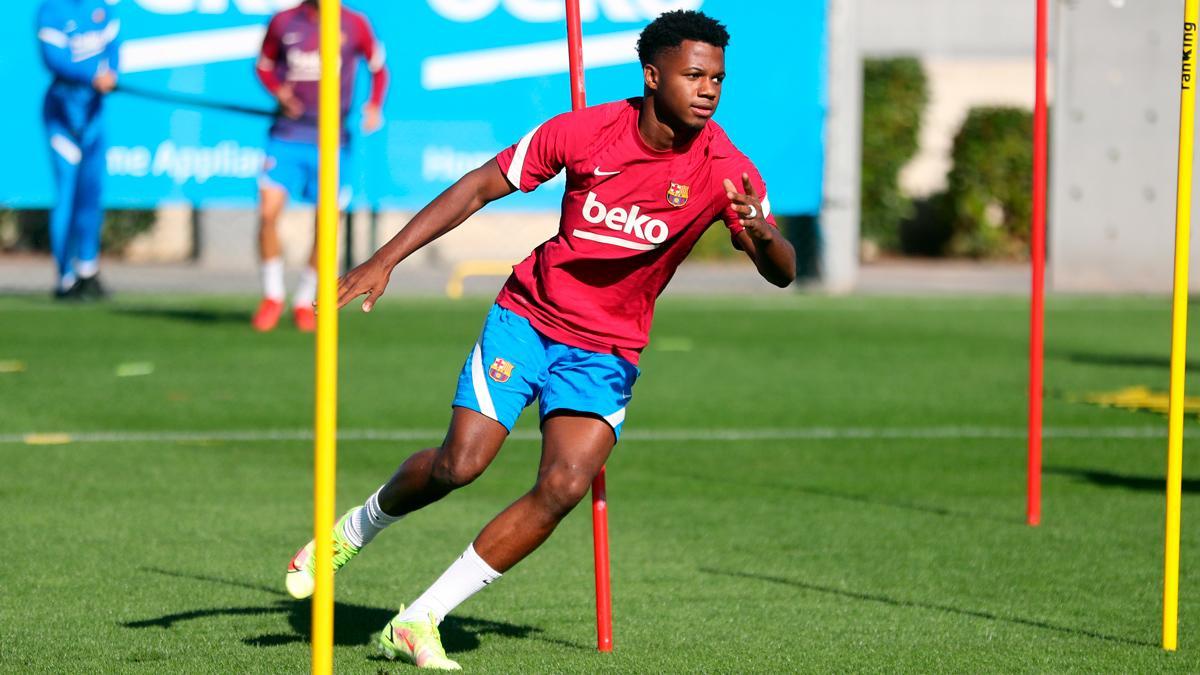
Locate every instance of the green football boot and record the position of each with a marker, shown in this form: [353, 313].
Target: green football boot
[417, 642]
[301, 570]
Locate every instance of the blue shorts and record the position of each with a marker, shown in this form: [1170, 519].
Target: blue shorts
[513, 364]
[292, 167]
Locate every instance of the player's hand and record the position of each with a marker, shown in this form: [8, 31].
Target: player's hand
[749, 209]
[372, 118]
[291, 106]
[370, 279]
[105, 81]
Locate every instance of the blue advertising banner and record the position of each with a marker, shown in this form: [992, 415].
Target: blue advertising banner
[468, 77]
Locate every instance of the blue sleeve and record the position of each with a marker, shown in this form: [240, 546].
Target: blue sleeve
[56, 53]
[112, 53]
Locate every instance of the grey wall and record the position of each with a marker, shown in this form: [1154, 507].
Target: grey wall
[1114, 147]
[843, 133]
[948, 28]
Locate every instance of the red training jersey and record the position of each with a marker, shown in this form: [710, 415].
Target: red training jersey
[290, 53]
[630, 215]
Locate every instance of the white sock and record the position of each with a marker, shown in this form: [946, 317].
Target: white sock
[272, 279]
[306, 289]
[86, 269]
[467, 576]
[367, 521]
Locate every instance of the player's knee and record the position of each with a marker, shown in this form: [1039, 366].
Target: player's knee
[455, 468]
[561, 489]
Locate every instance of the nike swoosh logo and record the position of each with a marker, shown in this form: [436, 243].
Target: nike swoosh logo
[598, 172]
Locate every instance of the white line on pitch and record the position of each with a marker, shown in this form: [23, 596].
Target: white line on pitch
[649, 435]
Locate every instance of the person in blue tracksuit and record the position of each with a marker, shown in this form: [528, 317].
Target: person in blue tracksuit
[79, 45]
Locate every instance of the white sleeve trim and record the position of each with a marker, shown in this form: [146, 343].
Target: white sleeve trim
[766, 203]
[53, 37]
[377, 60]
[517, 167]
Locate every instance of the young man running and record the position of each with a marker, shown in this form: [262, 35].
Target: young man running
[645, 178]
[289, 67]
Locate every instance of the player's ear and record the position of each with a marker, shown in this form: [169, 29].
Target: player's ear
[650, 74]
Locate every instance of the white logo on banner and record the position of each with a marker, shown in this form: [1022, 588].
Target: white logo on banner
[186, 163]
[499, 64]
[545, 11]
[215, 6]
[199, 47]
[445, 71]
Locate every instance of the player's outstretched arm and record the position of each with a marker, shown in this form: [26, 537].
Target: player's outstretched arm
[446, 212]
[772, 254]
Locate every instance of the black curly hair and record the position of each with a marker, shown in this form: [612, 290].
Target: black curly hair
[670, 29]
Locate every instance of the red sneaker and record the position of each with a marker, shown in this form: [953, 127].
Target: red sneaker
[305, 319]
[267, 315]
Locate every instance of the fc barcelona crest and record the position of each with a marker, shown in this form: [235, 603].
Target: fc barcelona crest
[500, 371]
[677, 195]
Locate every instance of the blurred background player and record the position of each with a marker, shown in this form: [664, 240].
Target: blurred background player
[289, 67]
[79, 45]
[645, 178]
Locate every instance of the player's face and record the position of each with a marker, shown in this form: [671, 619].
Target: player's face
[687, 83]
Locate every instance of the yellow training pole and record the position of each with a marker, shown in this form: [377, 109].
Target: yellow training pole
[325, 479]
[1183, 216]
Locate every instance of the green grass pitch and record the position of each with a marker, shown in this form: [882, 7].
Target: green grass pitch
[807, 484]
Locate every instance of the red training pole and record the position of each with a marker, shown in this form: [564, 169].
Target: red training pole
[1033, 507]
[575, 55]
[604, 641]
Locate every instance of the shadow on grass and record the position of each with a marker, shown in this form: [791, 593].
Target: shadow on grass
[857, 498]
[916, 604]
[353, 624]
[1115, 480]
[185, 314]
[1119, 360]
[215, 580]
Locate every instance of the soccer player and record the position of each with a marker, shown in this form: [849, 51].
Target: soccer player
[289, 66]
[645, 178]
[79, 45]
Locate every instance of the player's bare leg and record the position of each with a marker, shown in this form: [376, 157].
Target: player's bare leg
[306, 290]
[425, 477]
[574, 447]
[312, 254]
[272, 201]
[471, 444]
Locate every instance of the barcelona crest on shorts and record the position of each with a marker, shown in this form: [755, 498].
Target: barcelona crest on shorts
[677, 195]
[500, 371]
